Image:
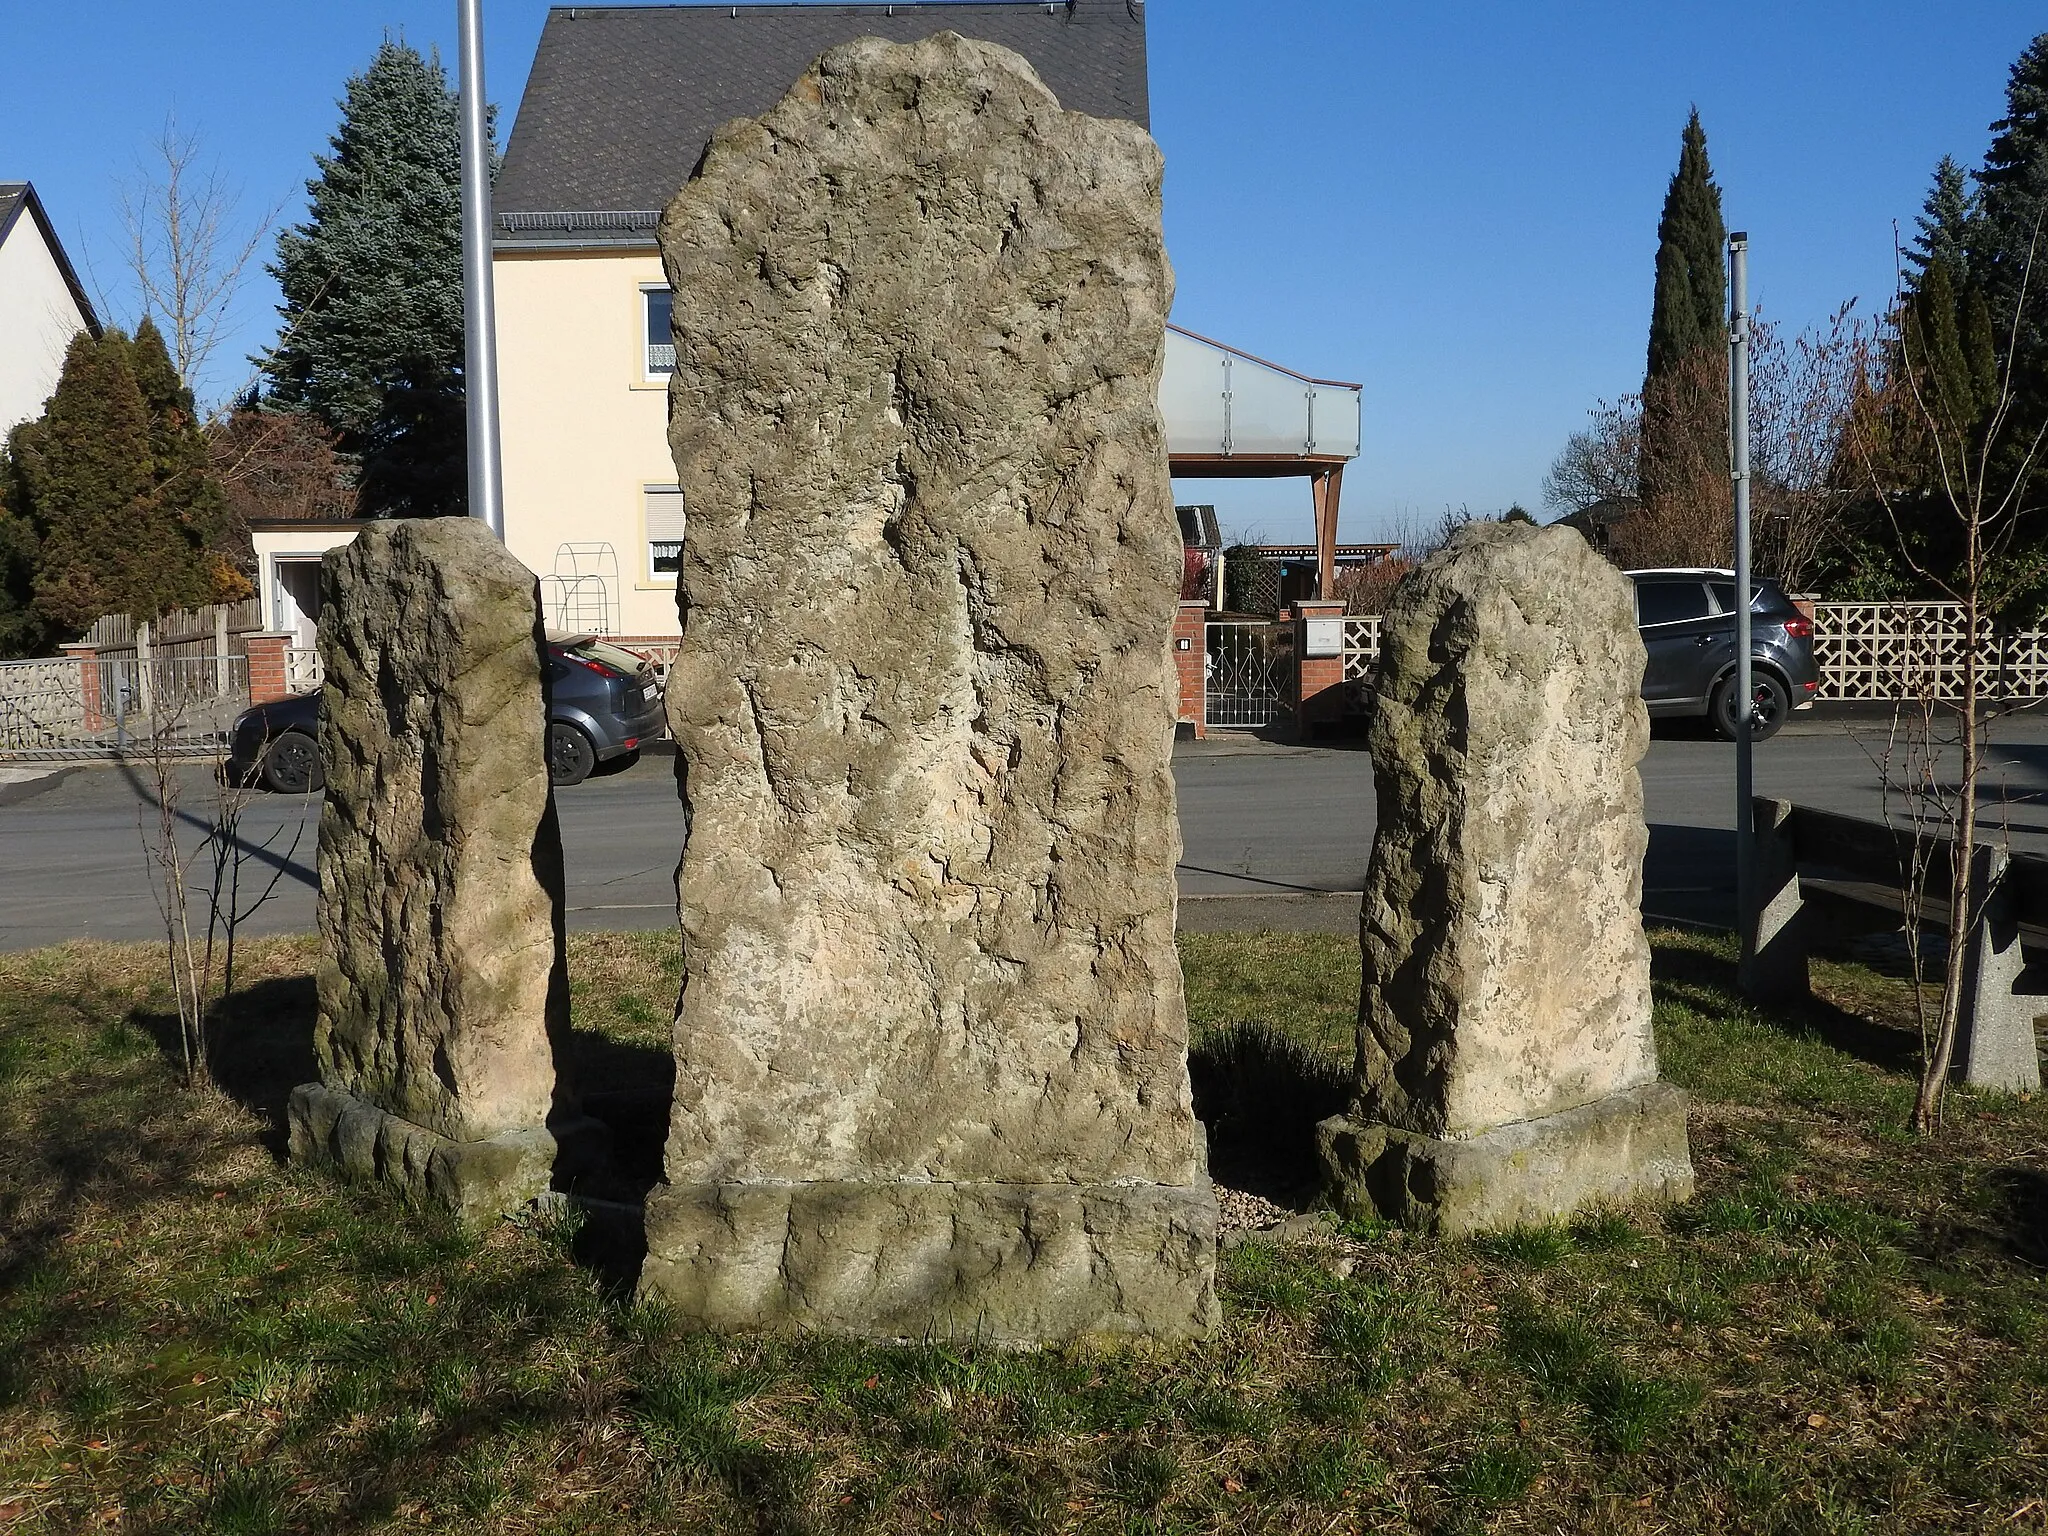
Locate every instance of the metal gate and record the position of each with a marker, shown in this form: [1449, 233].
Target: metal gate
[70, 708]
[1249, 673]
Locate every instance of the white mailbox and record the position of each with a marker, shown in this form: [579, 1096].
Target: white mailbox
[1325, 637]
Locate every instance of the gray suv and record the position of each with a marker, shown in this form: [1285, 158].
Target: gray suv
[1687, 619]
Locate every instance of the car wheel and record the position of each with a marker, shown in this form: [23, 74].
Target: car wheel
[291, 765]
[570, 756]
[1771, 704]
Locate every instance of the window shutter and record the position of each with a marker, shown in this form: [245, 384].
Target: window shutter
[664, 515]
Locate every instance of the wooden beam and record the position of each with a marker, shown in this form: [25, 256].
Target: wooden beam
[1327, 488]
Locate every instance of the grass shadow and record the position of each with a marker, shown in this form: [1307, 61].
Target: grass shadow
[2019, 1212]
[262, 1048]
[628, 1086]
[1707, 983]
[1260, 1094]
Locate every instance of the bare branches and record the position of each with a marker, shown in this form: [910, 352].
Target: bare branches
[185, 249]
[1600, 462]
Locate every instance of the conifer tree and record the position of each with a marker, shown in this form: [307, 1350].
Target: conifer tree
[373, 338]
[2011, 229]
[1946, 223]
[186, 489]
[1687, 312]
[1683, 459]
[104, 488]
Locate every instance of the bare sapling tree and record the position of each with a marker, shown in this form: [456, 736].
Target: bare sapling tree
[1977, 480]
[186, 248]
[198, 881]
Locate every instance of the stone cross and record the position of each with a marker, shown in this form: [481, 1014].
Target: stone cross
[931, 1058]
[1506, 1068]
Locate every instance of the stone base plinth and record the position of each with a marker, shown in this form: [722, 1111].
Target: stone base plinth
[1012, 1264]
[1627, 1148]
[477, 1180]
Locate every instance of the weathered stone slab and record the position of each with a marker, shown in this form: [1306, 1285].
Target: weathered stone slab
[932, 1011]
[442, 976]
[477, 1180]
[1505, 1012]
[1629, 1147]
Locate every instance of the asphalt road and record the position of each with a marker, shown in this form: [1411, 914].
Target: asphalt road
[1273, 836]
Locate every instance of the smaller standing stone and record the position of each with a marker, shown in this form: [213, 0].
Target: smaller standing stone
[1506, 1068]
[442, 977]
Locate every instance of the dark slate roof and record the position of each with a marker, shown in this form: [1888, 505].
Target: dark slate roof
[622, 99]
[19, 197]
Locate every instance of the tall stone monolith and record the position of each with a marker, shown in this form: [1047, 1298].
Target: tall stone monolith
[931, 1074]
[1506, 1068]
[442, 979]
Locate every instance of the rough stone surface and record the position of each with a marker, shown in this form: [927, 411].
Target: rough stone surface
[477, 1180]
[1626, 1148]
[924, 707]
[442, 975]
[1506, 976]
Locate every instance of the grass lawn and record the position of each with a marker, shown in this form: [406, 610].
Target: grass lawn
[1846, 1331]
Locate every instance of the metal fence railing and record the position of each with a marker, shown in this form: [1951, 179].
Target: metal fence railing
[112, 707]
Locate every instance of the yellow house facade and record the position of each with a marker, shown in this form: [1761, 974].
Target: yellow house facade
[591, 505]
[618, 108]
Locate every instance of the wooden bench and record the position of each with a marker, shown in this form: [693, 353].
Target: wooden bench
[1802, 852]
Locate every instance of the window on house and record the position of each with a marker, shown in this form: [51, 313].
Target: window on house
[661, 346]
[664, 532]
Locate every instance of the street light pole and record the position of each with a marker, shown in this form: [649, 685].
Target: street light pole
[1745, 681]
[479, 307]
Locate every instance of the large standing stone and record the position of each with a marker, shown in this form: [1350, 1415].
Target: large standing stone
[931, 1049]
[442, 978]
[1506, 1068]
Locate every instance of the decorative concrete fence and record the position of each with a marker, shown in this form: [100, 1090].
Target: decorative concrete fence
[1869, 651]
[1886, 651]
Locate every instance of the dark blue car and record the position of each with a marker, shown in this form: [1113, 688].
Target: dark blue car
[1687, 619]
[603, 702]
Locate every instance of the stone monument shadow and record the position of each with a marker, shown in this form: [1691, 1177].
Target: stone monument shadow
[263, 1048]
[1705, 983]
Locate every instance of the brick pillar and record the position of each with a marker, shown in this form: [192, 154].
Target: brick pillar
[269, 677]
[1190, 657]
[89, 670]
[1319, 679]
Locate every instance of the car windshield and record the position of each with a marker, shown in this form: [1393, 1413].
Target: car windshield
[608, 656]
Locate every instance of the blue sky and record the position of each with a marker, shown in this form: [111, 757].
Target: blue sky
[1452, 203]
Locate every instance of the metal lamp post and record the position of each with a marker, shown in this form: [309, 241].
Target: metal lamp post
[1745, 681]
[479, 307]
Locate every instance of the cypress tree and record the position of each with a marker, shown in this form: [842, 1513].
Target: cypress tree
[372, 282]
[1683, 458]
[22, 630]
[117, 513]
[187, 492]
[1687, 312]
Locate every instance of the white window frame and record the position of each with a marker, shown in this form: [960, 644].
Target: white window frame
[652, 351]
